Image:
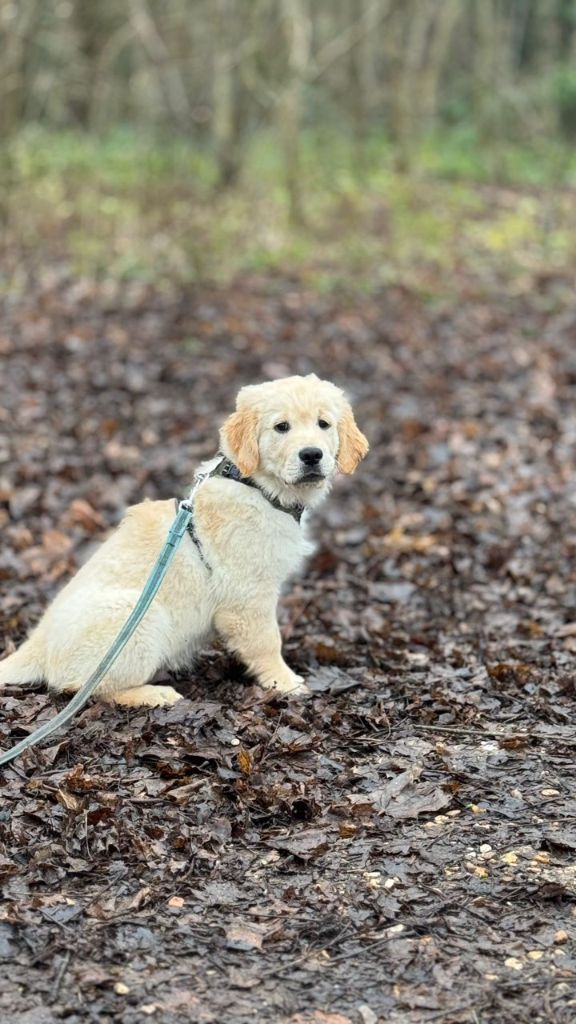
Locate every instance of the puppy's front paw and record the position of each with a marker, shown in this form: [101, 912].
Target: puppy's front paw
[297, 689]
[285, 681]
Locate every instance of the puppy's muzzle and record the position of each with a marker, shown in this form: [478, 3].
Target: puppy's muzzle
[311, 459]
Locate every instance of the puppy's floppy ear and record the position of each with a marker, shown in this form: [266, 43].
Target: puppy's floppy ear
[353, 444]
[240, 440]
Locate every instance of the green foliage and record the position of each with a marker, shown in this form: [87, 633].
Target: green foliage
[131, 207]
[460, 154]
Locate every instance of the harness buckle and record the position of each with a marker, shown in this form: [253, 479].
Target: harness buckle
[230, 471]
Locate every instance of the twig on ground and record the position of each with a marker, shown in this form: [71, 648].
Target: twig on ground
[495, 734]
[55, 991]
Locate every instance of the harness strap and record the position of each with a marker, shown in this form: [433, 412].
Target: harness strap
[191, 531]
[229, 471]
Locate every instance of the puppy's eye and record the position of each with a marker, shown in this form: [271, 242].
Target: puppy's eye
[323, 424]
[282, 428]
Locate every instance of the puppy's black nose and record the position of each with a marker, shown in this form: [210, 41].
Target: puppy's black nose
[310, 456]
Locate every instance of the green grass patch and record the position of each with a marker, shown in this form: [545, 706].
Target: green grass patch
[128, 206]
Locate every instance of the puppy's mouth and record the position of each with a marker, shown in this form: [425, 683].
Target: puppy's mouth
[311, 477]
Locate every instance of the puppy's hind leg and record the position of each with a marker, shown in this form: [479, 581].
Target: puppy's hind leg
[75, 655]
[26, 665]
[146, 696]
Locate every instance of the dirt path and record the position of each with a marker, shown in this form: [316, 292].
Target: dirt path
[400, 848]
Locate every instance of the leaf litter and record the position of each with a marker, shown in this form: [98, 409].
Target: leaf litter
[399, 848]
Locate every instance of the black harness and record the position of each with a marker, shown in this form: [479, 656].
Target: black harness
[228, 471]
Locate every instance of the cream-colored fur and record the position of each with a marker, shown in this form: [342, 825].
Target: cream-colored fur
[249, 549]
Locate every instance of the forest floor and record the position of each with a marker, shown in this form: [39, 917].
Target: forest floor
[398, 849]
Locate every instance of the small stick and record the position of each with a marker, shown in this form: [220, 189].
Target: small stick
[60, 976]
[494, 733]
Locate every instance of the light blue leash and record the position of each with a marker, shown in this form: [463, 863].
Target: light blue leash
[151, 588]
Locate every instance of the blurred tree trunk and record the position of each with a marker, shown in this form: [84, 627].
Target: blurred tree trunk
[493, 70]
[15, 38]
[484, 66]
[94, 25]
[442, 31]
[170, 84]
[566, 19]
[297, 27]
[227, 94]
[360, 81]
[427, 34]
[416, 27]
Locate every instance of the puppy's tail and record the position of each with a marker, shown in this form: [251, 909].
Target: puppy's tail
[26, 665]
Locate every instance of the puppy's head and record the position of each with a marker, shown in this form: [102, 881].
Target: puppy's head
[292, 435]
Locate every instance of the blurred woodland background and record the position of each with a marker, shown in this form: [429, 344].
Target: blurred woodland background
[198, 138]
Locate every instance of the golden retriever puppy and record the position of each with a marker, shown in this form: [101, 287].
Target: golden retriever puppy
[281, 449]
